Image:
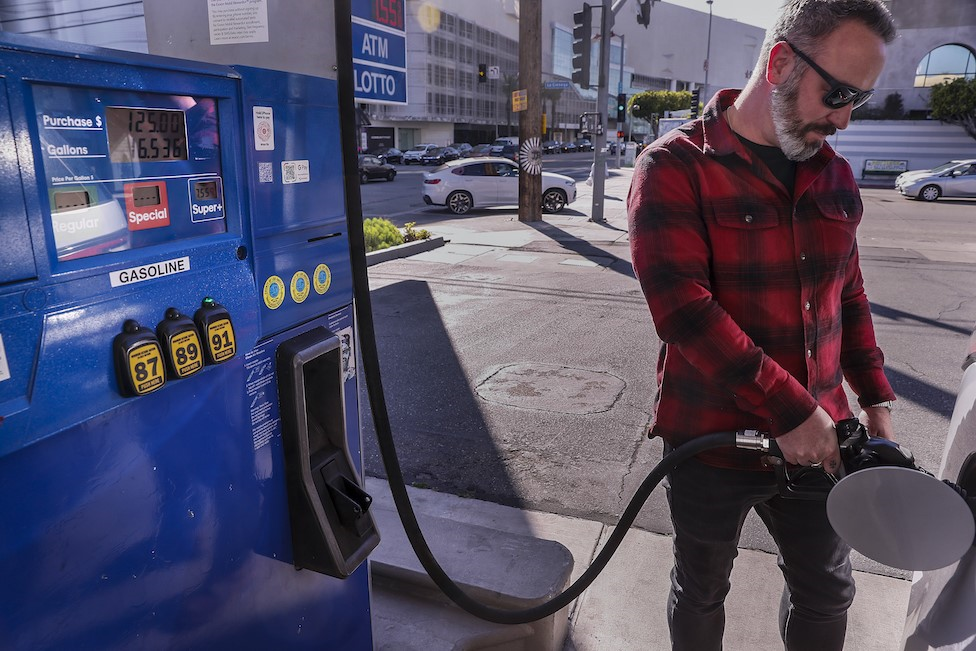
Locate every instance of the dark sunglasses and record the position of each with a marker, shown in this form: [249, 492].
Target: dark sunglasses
[840, 94]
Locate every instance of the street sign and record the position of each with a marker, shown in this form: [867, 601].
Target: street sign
[494, 72]
[379, 54]
[558, 83]
[520, 100]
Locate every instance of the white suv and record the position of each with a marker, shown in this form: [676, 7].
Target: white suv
[415, 154]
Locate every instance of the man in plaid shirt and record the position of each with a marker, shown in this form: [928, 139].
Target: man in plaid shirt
[742, 231]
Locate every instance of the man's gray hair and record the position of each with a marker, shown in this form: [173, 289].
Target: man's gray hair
[806, 22]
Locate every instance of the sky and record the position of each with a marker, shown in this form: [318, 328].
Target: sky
[760, 13]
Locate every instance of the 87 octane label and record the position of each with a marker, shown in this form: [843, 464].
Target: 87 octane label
[146, 368]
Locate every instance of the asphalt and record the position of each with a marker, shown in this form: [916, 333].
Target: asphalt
[624, 609]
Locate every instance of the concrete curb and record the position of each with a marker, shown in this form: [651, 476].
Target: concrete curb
[403, 250]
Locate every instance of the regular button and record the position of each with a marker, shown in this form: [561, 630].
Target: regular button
[748, 219]
[806, 306]
[803, 256]
[809, 352]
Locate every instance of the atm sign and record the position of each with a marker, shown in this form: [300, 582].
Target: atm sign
[146, 205]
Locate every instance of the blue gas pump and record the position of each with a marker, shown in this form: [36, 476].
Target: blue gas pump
[179, 445]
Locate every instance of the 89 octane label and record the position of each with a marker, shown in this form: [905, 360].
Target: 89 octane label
[146, 367]
[186, 353]
[221, 337]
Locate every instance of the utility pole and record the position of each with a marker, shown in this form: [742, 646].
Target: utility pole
[602, 96]
[530, 120]
[708, 49]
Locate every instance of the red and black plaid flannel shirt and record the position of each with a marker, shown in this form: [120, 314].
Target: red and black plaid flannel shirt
[757, 296]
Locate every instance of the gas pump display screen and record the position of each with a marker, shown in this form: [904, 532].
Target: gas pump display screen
[144, 134]
[71, 200]
[145, 196]
[128, 169]
[205, 190]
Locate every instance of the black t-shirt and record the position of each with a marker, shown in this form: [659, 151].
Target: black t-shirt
[782, 167]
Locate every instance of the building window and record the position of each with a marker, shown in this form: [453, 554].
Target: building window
[562, 52]
[945, 63]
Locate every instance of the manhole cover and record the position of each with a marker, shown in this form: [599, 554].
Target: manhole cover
[547, 387]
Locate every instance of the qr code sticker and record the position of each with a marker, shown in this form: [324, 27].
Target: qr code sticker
[265, 173]
[288, 172]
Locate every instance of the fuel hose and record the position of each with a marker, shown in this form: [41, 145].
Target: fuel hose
[374, 385]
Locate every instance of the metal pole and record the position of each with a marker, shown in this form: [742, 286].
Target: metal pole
[603, 95]
[708, 52]
[620, 89]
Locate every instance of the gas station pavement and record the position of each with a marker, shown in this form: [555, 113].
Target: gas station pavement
[624, 609]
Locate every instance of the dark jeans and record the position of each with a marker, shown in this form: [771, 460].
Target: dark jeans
[708, 507]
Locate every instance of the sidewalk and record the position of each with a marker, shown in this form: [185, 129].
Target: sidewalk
[624, 609]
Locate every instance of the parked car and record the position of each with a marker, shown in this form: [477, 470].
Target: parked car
[496, 147]
[440, 155]
[551, 147]
[372, 167]
[480, 150]
[389, 154]
[464, 184]
[415, 154]
[462, 147]
[957, 178]
[584, 144]
[569, 146]
[511, 152]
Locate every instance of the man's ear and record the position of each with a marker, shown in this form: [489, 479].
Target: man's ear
[780, 64]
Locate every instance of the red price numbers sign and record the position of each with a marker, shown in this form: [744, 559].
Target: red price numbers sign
[389, 13]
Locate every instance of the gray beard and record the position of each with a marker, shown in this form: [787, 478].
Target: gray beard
[790, 129]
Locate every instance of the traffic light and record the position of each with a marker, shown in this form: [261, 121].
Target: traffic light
[482, 73]
[694, 102]
[644, 12]
[582, 30]
[621, 108]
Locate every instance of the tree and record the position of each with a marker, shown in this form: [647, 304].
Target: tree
[650, 105]
[955, 102]
[894, 107]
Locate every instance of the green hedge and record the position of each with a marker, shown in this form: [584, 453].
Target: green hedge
[381, 234]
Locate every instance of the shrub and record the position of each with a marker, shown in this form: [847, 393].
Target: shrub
[410, 234]
[380, 234]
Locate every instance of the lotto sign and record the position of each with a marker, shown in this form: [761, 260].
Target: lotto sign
[379, 51]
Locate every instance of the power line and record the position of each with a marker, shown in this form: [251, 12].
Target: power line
[94, 22]
[67, 13]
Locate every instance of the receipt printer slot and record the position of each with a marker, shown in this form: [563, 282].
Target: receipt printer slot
[331, 526]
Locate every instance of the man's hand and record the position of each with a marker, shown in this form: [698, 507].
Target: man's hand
[877, 421]
[814, 441]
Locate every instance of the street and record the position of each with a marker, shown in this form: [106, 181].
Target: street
[561, 306]
[402, 199]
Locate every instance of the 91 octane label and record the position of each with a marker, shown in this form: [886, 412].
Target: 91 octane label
[220, 336]
[146, 367]
[186, 353]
